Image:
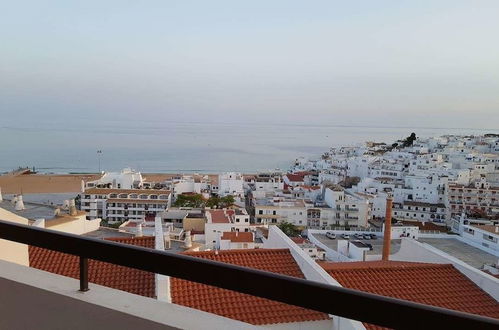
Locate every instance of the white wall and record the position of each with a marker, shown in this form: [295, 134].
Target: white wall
[78, 226]
[11, 251]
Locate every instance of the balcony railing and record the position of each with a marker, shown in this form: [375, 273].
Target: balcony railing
[335, 300]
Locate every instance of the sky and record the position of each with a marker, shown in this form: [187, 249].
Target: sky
[395, 63]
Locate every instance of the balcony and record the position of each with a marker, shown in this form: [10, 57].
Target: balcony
[36, 299]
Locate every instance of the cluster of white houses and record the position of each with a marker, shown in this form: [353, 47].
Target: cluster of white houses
[432, 180]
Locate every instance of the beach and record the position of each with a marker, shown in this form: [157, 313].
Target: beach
[13, 183]
[17, 183]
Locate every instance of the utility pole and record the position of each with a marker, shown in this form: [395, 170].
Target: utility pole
[99, 153]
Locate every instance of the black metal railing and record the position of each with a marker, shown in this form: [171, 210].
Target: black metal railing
[339, 301]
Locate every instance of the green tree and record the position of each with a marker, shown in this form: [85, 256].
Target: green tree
[409, 141]
[289, 229]
[195, 201]
[213, 202]
[226, 201]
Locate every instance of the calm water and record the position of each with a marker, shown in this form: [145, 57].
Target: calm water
[64, 147]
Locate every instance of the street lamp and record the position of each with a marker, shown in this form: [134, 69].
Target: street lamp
[99, 153]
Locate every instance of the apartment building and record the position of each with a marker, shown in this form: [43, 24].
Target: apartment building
[346, 209]
[118, 205]
[282, 209]
[262, 183]
[230, 183]
[480, 196]
[419, 211]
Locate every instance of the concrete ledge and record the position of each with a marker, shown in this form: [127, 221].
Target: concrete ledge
[34, 299]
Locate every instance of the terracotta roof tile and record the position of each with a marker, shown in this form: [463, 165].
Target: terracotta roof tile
[241, 306]
[221, 216]
[295, 177]
[102, 273]
[433, 284]
[238, 237]
[211, 299]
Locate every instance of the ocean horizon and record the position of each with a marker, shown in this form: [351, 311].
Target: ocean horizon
[179, 147]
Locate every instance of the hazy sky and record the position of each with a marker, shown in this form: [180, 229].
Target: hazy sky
[411, 63]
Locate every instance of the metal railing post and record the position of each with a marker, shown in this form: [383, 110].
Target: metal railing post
[83, 274]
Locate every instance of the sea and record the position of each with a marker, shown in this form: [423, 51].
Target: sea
[182, 147]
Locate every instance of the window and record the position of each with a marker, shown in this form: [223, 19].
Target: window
[260, 211]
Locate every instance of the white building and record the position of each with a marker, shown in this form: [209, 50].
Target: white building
[419, 211]
[231, 183]
[191, 184]
[124, 204]
[235, 240]
[225, 220]
[126, 179]
[479, 196]
[349, 210]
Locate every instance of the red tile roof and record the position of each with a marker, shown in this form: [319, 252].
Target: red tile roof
[299, 240]
[238, 237]
[221, 216]
[310, 187]
[102, 273]
[241, 306]
[432, 284]
[218, 301]
[295, 177]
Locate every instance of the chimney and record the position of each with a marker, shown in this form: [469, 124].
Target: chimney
[1, 198]
[188, 240]
[72, 207]
[19, 203]
[139, 230]
[388, 228]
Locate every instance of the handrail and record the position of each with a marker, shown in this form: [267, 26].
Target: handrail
[335, 300]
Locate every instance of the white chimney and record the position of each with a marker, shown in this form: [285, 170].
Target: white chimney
[13, 201]
[72, 207]
[162, 287]
[1, 198]
[188, 240]
[139, 230]
[39, 223]
[167, 239]
[19, 203]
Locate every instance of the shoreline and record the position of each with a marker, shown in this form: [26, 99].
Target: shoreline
[39, 183]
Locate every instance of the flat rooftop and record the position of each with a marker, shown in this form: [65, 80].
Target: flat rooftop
[377, 243]
[462, 251]
[104, 232]
[31, 211]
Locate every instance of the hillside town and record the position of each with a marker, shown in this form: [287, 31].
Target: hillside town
[425, 209]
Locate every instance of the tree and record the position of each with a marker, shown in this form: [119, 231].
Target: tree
[213, 202]
[195, 201]
[220, 202]
[226, 201]
[289, 229]
[409, 141]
